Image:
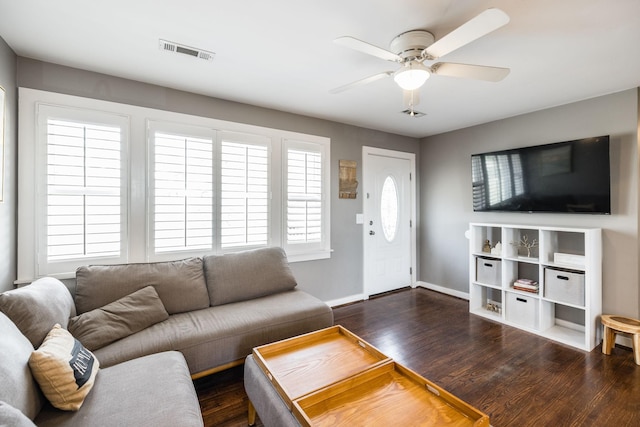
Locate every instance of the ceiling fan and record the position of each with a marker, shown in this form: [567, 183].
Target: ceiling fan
[413, 48]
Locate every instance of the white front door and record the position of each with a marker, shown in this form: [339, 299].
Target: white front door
[389, 238]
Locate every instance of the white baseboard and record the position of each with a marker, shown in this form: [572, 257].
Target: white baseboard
[443, 290]
[345, 300]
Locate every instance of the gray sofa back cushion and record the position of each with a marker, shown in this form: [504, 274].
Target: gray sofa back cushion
[17, 386]
[245, 275]
[35, 308]
[180, 284]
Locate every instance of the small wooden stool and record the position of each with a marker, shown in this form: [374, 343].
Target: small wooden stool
[615, 324]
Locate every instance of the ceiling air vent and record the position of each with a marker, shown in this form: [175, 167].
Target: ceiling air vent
[412, 113]
[172, 47]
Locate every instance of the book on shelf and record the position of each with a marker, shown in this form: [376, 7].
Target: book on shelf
[533, 291]
[526, 285]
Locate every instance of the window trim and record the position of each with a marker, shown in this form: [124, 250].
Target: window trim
[248, 139]
[136, 170]
[177, 129]
[44, 113]
[308, 251]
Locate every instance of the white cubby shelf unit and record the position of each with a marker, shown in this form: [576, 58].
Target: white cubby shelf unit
[565, 262]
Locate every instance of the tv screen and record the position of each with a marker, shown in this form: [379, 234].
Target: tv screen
[567, 177]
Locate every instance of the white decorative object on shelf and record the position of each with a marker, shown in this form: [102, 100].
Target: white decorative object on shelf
[525, 243]
[571, 259]
[556, 295]
[497, 249]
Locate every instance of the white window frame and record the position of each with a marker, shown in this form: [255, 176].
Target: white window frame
[248, 139]
[136, 174]
[175, 129]
[44, 113]
[313, 250]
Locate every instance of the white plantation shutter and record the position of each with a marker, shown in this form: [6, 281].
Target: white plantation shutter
[107, 183]
[306, 197]
[182, 188]
[244, 191]
[84, 184]
[80, 180]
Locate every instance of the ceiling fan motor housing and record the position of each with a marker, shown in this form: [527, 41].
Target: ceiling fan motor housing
[409, 45]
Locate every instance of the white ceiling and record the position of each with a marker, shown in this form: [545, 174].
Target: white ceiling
[280, 53]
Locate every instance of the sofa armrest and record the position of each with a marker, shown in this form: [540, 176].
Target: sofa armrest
[154, 390]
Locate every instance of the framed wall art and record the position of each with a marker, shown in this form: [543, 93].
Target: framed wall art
[348, 183]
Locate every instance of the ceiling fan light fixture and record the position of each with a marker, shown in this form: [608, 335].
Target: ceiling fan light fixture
[411, 76]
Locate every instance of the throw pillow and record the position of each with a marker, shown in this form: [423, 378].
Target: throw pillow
[12, 417]
[119, 319]
[64, 369]
[35, 308]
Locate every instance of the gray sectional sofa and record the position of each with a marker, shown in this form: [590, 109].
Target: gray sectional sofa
[153, 327]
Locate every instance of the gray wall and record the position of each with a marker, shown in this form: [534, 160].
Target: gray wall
[444, 177]
[331, 279]
[8, 207]
[446, 204]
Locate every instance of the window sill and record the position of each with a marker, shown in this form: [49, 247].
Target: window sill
[309, 256]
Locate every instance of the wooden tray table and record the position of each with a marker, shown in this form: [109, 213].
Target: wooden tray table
[385, 395]
[306, 363]
[332, 377]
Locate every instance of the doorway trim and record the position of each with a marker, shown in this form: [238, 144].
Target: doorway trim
[382, 152]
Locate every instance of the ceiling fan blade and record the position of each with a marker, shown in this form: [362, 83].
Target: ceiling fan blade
[362, 82]
[477, 72]
[367, 48]
[486, 22]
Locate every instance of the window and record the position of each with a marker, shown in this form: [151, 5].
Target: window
[111, 183]
[389, 208]
[82, 201]
[244, 191]
[304, 201]
[182, 199]
[306, 204]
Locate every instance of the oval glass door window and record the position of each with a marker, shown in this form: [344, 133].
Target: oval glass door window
[389, 209]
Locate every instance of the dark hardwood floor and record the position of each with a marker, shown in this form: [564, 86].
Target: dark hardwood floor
[517, 378]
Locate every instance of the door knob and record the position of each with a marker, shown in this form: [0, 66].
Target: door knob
[371, 232]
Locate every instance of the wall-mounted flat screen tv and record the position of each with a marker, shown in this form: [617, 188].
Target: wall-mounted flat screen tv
[567, 177]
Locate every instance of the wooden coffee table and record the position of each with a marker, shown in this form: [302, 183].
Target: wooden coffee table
[332, 377]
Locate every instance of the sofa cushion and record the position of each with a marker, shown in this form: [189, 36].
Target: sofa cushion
[121, 318]
[35, 308]
[64, 369]
[249, 274]
[17, 385]
[226, 333]
[149, 391]
[12, 417]
[180, 284]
